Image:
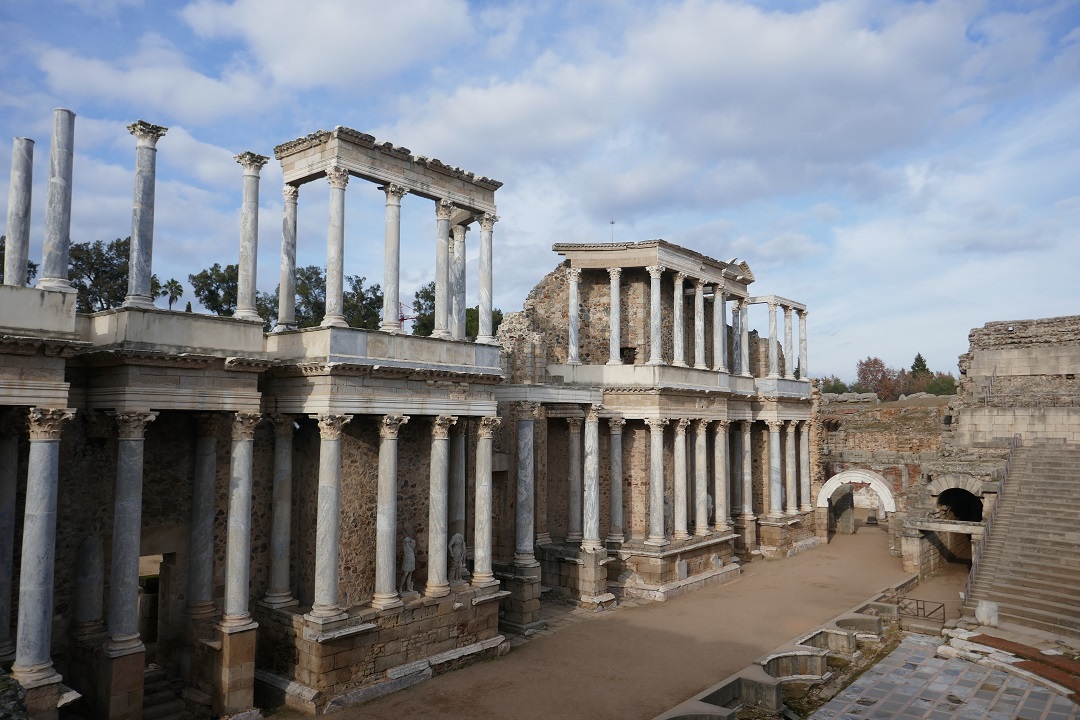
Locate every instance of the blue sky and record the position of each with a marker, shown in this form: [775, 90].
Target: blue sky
[908, 170]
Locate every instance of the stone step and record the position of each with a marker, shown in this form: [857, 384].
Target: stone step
[1040, 583]
[1059, 603]
[1049, 626]
[171, 709]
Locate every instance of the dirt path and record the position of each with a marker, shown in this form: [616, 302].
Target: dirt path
[637, 662]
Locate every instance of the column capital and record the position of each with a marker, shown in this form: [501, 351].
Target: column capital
[802, 313]
[146, 134]
[790, 425]
[655, 271]
[337, 176]
[243, 427]
[251, 162]
[615, 425]
[440, 427]
[772, 303]
[283, 424]
[443, 209]
[330, 426]
[207, 424]
[787, 311]
[774, 425]
[530, 410]
[702, 424]
[394, 193]
[722, 425]
[487, 221]
[719, 288]
[573, 274]
[614, 272]
[680, 426]
[699, 285]
[746, 424]
[291, 193]
[487, 426]
[574, 423]
[804, 425]
[592, 413]
[46, 423]
[656, 424]
[680, 277]
[389, 426]
[132, 425]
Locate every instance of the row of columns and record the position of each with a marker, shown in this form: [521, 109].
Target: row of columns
[774, 342]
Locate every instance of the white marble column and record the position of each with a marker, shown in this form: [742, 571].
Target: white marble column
[804, 372]
[9, 466]
[701, 477]
[774, 367]
[437, 583]
[678, 323]
[524, 519]
[200, 600]
[457, 283]
[33, 644]
[286, 319]
[20, 192]
[391, 316]
[57, 235]
[721, 481]
[679, 500]
[591, 533]
[616, 534]
[482, 515]
[720, 363]
[656, 356]
[443, 209]
[736, 336]
[127, 535]
[573, 480]
[776, 488]
[656, 535]
[279, 594]
[338, 178]
[804, 467]
[328, 519]
[458, 459]
[487, 224]
[791, 488]
[573, 278]
[238, 526]
[789, 358]
[744, 333]
[615, 318]
[699, 325]
[249, 236]
[140, 264]
[386, 593]
[747, 471]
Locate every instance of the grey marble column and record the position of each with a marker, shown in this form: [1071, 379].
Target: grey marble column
[328, 519]
[721, 480]
[286, 319]
[573, 279]
[443, 209]
[573, 480]
[200, 600]
[789, 358]
[656, 535]
[591, 534]
[791, 488]
[736, 336]
[744, 332]
[482, 515]
[699, 325]
[457, 284]
[33, 645]
[238, 525]
[720, 363]
[804, 467]
[20, 192]
[804, 371]
[701, 481]
[249, 236]
[615, 318]
[458, 458]
[57, 236]
[487, 224]
[678, 329]
[391, 315]
[776, 488]
[338, 178]
[526, 482]
[386, 593]
[774, 367]
[9, 467]
[616, 534]
[127, 535]
[747, 471]
[89, 624]
[279, 594]
[655, 318]
[679, 480]
[140, 263]
[437, 583]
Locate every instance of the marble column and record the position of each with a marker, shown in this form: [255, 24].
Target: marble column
[249, 236]
[391, 313]
[791, 488]
[720, 363]
[656, 482]
[744, 332]
[443, 209]
[701, 482]
[736, 336]
[591, 534]
[616, 534]
[457, 283]
[89, 626]
[747, 471]
[656, 356]
[678, 324]
[573, 278]
[487, 224]
[526, 482]
[735, 463]
[615, 315]
[458, 458]
[789, 358]
[238, 526]
[286, 319]
[776, 488]
[386, 592]
[573, 480]
[804, 371]
[127, 535]
[338, 178]
[33, 644]
[9, 467]
[57, 235]
[679, 480]
[699, 325]
[774, 367]
[200, 600]
[482, 515]
[20, 192]
[140, 263]
[437, 583]
[279, 594]
[721, 469]
[804, 467]
[328, 519]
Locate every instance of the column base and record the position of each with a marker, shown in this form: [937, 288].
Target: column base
[615, 538]
[381, 601]
[281, 327]
[592, 545]
[123, 645]
[701, 367]
[657, 542]
[722, 528]
[232, 622]
[614, 362]
[679, 363]
[680, 535]
[278, 600]
[201, 611]
[441, 334]
[790, 512]
[35, 675]
[55, 285]
[543, 538]
[120, 685]
[654, 362]
[247, 315]
[325, 614]
[525, 561]
[805, 508]
[702, 533]
[144, 302]
[87, 635]
[573, 362]
[484, 580]
[334, 321]
[574, 537]
[436, 590]
[486, 339]
[392, 327]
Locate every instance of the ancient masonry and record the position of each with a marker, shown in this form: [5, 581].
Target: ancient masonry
[318, 516]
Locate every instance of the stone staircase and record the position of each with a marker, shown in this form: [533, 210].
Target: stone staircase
[161, 700]
[1030, 566]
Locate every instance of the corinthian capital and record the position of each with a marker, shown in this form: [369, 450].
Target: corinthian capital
[338, 177]
[443, 209]
[614, 273]
[390, 425]
[656, 424]
[251, 162]
[655, 271]
[145, 133]
[394, 192]
[243, 426]
[330, 426]
[680, 425]
[132, 425]
[592, 413]
[487, 426]
[46, 423]
[574, 424]
[615, 425]
[440, 428]
[283, 424]
[774, 425]
[487, 221]
[573, 274]
[291, 193]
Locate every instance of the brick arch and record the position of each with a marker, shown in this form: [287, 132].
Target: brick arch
[862, 477]
[941, 483]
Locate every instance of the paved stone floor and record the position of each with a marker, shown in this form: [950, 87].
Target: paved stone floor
[912, 683]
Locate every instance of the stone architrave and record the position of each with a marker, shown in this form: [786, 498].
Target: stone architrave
[679, 480]
[9, 465]
[804, 467]
[789, 359]
[791, 488]
[656, 535]
[615, 477]
[279, 594]
[774, 366]
[776, 487]
[573, 279]
[482, 516]
[328, 519]
[238, 527]
[573, 480]
[17, 248]
[701, 480]
[526, 481]
[457, 283]
[487, 225]
[201, 542]
[249, 236]
[591, 533]
[699, 325]
[437, 583]
[391, 321]
[140, 264]
[615, 318]
[655, 320]
[679, 324]
[338, 178]
[286, 319]
[721, 481]
[56, 243]
[386, 593]
[443, 210]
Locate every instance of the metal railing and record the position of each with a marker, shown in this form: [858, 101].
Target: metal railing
[911, 607]
[976, 556]
[989, 388]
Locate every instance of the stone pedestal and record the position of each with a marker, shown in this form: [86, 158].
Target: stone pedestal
[592, 581]
[42, 697]
[746, 528]
[234, 689]
[120, 686]
[521, 608]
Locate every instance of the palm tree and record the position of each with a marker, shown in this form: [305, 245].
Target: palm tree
[173, 290]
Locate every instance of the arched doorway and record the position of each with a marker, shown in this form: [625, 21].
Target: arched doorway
[837, 497]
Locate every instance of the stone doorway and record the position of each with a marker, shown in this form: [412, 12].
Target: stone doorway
[150, 591]
[959, 504]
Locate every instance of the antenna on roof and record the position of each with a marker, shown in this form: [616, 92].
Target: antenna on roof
[613, 230]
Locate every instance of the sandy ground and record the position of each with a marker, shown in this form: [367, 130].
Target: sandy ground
[637, 662]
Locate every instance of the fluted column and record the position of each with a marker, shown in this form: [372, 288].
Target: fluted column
[286, 319]
[140, 264]
[678, 324]
[616, 534]
[386, 593]
[458, 461]
[200, 600]
[573, 480]
[487, 224]
[655, 319]
[591, 533]
[437, 583]
[747, 472]
[249, 236]
[338, 178]
[238, 526]
[804, 372]
[721, 465]
[744, 334]
[720, 363]
[791, 488]
[457, 283]
[615, 315]
[679, 480]
[17, 247]
[33, 644]
[701, 475]
[328, 518]
[699, 325]
[573, 277]
[656, 482]
[9, 466]
[804, 467]
[776, 488]
[774, 367]
[526, 481]
[482, 515]
[391, 316]
[443, 209]
[789, 359]
[57, 235]
[279, 594]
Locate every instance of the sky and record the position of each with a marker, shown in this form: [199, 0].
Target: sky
[908, 170]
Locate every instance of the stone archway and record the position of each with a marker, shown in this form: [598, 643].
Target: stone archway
[858, 477]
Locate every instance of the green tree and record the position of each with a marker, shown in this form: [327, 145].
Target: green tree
[942, 384]
[172, 290]
[31, 266]
[472, 321]
[833, 384]
[215, 288]
[919, 366]
[424, 310]
[872, 373]
[362, 305]
[99, 273]
[310, 296]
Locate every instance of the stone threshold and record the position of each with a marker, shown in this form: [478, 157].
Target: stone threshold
[675, 548]
[670, 590]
